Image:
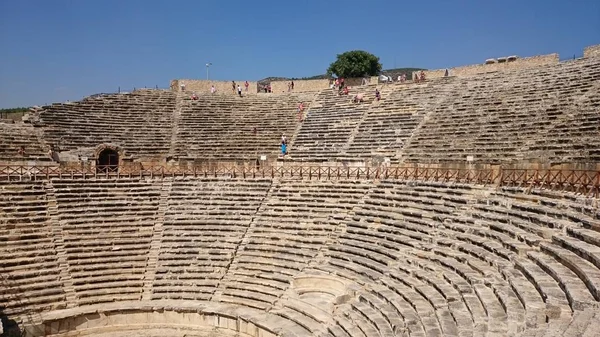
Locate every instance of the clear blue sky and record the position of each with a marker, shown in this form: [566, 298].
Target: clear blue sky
[57, 50]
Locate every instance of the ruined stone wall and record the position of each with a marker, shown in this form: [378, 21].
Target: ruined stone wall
[592, 51]
[203, 86]
[300, 85]
[469, 70]
[316, 85]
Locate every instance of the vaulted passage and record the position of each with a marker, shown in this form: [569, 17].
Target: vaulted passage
[108, 161]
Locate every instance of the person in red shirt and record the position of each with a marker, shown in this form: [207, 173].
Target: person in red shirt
[246, 85]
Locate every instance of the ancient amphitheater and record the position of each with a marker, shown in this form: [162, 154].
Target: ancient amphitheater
[466, 205]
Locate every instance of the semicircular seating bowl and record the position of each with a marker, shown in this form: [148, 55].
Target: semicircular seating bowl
[262, 257]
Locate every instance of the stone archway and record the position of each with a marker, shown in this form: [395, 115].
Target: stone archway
[108, 158]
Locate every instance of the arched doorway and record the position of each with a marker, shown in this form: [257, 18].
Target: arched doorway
[108, 161]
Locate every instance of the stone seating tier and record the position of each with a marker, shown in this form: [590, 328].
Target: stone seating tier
[543, 114]
[415, 258]
[140, 123]
[546, 114]
[17, 135]
[107, 229]
[29, 278]
[218, 127]
[330, 123]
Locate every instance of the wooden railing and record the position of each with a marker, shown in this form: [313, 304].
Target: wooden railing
[581, 181]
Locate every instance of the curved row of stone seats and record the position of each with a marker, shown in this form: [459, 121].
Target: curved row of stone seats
[330, 124]
[222, 127]
[13, 136]
[387, 127]
[295, 220]
[204, 224]
[166, 318]
[29, 264]
[429, 259]
[106, 228]
[140, 122]
[363, 255]
[433, 225]
[563, 231]
[515, 116]
[579, 129]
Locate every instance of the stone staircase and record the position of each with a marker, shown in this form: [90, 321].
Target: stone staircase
[59, 246]
[155, 244]
[331, 122]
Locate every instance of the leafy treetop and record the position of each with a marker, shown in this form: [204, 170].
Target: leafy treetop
[355, 63]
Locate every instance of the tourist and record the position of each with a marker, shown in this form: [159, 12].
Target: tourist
[283, 148]
[233, 86]
[289, 86]
[422, 77]
[194, 97]
[337, 83]
[403, 78]
[52, 154]
[358, 98]
[239, 89]
[182, 87]
[21, 151]
[446, 73]
[292, 85]
[212, 89]
[345, 91]
[341, 82]
[246, 85]
[283, 139]
[300, 112]
[377, 94]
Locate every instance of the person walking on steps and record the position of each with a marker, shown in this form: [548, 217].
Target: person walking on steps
[283, 146]
[239, 88]
[300, 112]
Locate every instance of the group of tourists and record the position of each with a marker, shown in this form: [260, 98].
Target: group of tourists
[239, 87]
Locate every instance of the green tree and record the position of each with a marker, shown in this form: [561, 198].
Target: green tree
[355, 63]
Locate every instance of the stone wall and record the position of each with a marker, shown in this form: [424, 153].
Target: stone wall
[592, 51]
[191, 319]
[300, 85]
[203, 86]
[316, 85]
[469, 70]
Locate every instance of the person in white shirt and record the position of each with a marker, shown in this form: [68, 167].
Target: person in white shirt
[239, 88]
[212, 89]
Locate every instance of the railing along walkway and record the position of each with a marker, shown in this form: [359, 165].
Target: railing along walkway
[580, 181]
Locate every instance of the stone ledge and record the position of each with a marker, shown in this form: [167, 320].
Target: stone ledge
[243, 320]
